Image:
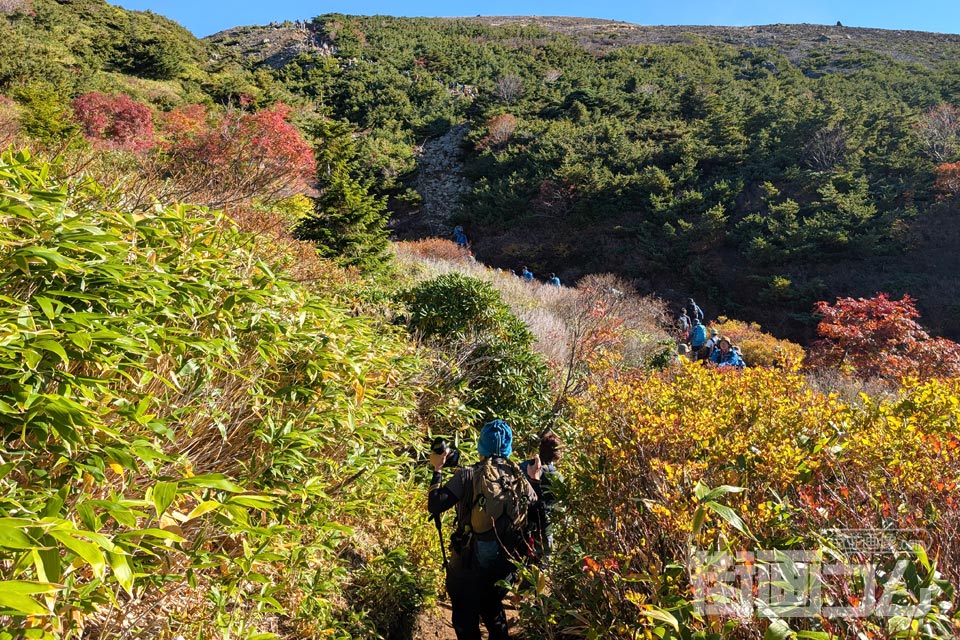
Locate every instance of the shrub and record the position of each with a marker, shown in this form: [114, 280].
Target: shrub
[484, 351]
[787, 465]
[879, 337]
[235, 155]
[179, 423]
[758, 348]
[114, 122]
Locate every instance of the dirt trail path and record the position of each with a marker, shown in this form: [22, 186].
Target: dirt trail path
[435, 624]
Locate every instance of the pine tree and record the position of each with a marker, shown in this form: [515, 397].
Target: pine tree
[348, 224]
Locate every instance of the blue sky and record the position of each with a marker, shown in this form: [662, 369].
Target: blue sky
[204, 17]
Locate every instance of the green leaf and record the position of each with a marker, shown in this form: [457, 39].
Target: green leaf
[53, 347]
[252, 501]
[164, 494]
[698, 517]
[121, 570]
[12, 537]
[778, 630]
[202, 508]
[20, 603]
[213, 481]
[729, 515]
[88, 551]
[660, 615]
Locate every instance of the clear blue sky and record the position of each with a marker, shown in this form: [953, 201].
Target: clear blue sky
[204, 17]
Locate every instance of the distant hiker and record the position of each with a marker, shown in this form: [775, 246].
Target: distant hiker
[683, 354]
[684, 321]
[726, 356]
[526, 274]
[698, 337]
[493, 501]
[554, 280]
[696, 313]
[514, 274]
[459, 236]
[548, 454]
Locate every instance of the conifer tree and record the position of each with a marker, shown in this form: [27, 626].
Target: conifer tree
[348, 224]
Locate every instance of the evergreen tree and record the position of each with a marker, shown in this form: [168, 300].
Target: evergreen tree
[348, 223]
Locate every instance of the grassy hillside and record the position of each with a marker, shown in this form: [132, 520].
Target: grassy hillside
[759, 168]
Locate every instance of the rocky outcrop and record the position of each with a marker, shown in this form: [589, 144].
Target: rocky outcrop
[440, 180]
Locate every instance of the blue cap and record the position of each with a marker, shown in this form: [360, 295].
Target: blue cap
[496, 439]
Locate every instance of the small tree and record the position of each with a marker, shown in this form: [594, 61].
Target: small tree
[235, 155]
[938, 131]
[826, 148]
[509, 88]
[879, 337]
[348, 223]
[114, 122]
[499, 131]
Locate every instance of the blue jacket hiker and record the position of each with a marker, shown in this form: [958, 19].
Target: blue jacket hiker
[726, 356]
[554, 280]
[527, 275]
[698, 335]
[481, 552]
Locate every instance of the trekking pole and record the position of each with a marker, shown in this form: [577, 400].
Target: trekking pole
[443, 549]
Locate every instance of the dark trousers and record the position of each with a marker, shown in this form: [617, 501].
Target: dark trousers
[475, 596]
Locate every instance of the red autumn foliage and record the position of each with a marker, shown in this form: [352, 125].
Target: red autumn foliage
[948, 178]
[244, 155]
[114, 122]
[879, 337]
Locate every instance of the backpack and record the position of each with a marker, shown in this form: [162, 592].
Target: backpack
[698, 336]
[498, 515]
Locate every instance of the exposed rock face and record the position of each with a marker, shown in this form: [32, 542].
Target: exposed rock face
[440, 180]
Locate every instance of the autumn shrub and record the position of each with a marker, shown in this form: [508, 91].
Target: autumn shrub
[880, 337]
[220, 157]
[114, 122]
[760, 349]
[190, 440]
[437, 248]
[735, 462]
[947, 181]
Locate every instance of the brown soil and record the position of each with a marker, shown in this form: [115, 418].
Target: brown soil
[434, 624]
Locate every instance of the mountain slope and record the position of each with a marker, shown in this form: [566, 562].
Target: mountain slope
[754, 167]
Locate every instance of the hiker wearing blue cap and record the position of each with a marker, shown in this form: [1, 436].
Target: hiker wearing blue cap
[493, 499]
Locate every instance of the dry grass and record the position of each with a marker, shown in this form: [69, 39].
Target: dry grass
[548, 311]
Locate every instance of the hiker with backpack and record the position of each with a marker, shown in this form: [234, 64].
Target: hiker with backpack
[698, 338]
[492, 500]
[696, 313]
[541, 472]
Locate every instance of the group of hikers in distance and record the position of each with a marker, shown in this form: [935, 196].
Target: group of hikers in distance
[460, 237]
[696, 346]
[502, 521]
